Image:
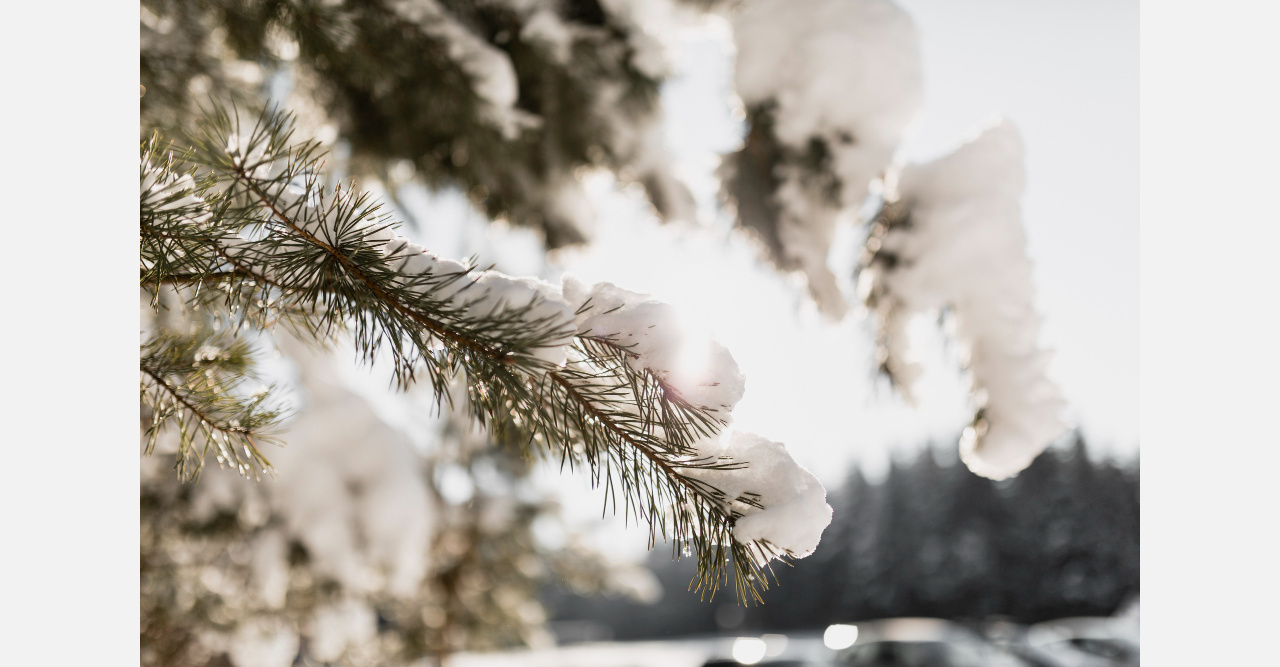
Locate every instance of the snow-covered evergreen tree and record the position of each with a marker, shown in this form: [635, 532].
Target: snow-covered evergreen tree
[256, 119]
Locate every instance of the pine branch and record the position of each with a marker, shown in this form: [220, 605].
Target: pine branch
[197, 278]
[887, 308]
[193, 383]
[435, 328]
[260, 219]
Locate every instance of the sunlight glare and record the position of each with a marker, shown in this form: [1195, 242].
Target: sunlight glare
[693, 362]
[840, 636]
[748, 650]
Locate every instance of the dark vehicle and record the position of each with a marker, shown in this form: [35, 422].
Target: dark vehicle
[1085, 642]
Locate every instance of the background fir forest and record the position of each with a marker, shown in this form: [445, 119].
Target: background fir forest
[404, 393]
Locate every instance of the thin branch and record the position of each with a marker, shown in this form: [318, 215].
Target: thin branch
[207, 420]
[195, 278]
[238, 269]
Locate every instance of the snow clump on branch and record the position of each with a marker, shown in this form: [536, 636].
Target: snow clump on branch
[775, 498]
[853, 66]
[486, 294]
[831, 85]
[951, 237]
[702, 372]
[778, 501]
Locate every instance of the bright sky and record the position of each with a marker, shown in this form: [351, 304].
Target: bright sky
[1064, 73]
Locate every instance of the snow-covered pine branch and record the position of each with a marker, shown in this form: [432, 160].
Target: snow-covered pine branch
[828, 87]
[950, 236]
[593, 374]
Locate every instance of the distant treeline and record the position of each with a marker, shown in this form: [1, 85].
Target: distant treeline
[931, 539]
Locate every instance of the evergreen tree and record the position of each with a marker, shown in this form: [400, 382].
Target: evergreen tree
[257, 117]
[1059, 540]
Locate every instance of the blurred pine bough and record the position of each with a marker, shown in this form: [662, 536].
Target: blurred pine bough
[504, 101]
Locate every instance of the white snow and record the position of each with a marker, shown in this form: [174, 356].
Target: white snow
[163, 192]
[795, 503]
[832, 66]
[641, 144]
[806, 227]
[489, 294]
[545, 28]
[334, 627]
[266, 642]
[270, 567]
[349, 488]
[965, 248]
[701, 370]
[650, 27]
[843, 71]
